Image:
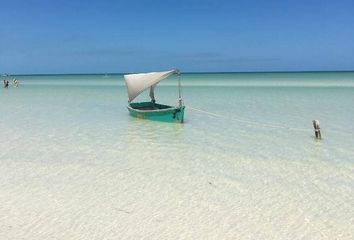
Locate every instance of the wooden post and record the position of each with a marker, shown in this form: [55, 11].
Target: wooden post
[316, 126]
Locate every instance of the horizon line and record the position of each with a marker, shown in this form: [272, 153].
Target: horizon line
[188, 72]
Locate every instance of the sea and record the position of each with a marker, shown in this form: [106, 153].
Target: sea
[245, 164]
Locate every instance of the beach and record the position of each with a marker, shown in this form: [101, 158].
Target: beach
[244, 165]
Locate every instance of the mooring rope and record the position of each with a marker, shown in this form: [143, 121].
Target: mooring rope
[253, 123]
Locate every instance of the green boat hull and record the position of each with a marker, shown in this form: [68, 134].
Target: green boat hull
[156, 112]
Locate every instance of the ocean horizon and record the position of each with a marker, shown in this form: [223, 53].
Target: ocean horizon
[185, 72]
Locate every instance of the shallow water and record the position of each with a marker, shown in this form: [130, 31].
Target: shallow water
[75, 165]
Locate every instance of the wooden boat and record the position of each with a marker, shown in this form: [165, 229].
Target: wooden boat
[137, 83]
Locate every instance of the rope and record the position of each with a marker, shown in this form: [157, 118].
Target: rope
[257, 124]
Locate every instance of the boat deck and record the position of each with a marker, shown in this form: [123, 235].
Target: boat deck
[148, 106]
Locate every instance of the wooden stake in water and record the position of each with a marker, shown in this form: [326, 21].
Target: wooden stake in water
[316, 126]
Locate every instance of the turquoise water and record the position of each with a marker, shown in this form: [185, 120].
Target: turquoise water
[245, 165]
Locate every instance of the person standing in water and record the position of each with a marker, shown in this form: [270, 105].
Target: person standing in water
[15, 82]
[6, 83]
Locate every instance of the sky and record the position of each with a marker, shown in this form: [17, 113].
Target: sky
[70, 36]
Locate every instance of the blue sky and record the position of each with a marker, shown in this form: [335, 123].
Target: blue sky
[70, 36]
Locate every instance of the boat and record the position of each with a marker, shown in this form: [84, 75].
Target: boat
[138, 83]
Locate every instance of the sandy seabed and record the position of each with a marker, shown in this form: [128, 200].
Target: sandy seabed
[145, 200]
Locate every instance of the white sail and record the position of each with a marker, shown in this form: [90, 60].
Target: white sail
[137, 83]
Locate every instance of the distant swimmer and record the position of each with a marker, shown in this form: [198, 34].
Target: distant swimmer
[15, 82]
[6, 83]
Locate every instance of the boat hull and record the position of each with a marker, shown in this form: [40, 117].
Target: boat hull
[156, 112]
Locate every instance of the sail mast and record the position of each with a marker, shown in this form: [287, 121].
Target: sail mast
[180, 103]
